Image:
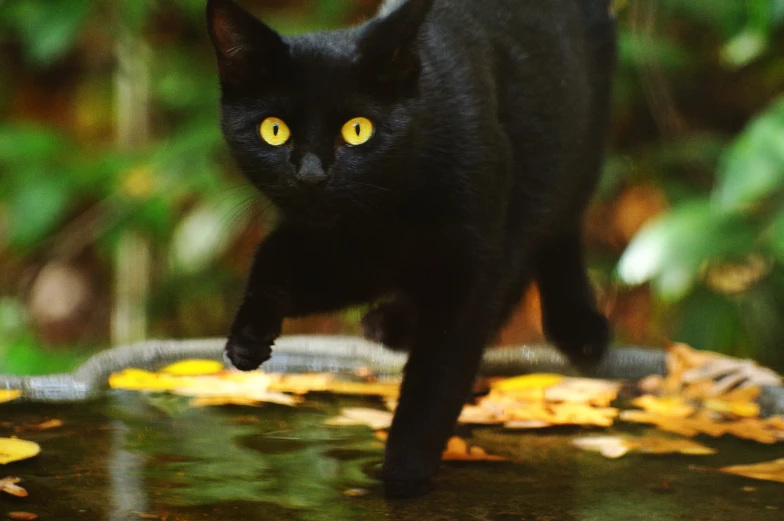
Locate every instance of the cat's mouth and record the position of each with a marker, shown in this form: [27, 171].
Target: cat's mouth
[312, 206]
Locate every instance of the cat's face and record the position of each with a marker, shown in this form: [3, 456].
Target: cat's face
[322, 124]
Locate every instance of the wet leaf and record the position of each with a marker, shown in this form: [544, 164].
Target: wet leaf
[373, 418]
[669, 406]
[212, 401]
[458, 450]
[7, 395]
[193, 368]
[608, 446]
[583, 390]
[617, 446]
[768, 471]
[9, 486]
[22, 516]
[529, 382]
[48, 424]
[356, 492]
[14, 449]
[141, 380]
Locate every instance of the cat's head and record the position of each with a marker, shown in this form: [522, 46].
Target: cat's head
[323, 124]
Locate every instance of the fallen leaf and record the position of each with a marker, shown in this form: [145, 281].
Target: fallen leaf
[458, 450]
[732, 408]
[583, 390]
[356, 492]
[373, 418]
[530, 386]
[193, 368]
[608, 446]
[617, 446]
[48, 424]
[212, 401]
[661, 445]
[527, 424]
[669, 406]
[233, 388]
[141, 380]
[7, 395]
[22, 516]
[768, 471]
[9, 485]
[14, 449]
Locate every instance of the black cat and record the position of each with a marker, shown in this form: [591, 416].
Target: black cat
[439, 156]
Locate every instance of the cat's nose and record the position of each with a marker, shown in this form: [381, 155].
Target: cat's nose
[311, 172]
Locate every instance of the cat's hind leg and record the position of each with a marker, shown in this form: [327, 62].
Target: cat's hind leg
[390, 323]
[569, 314]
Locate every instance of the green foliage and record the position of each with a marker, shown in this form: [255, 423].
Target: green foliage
[47, 28]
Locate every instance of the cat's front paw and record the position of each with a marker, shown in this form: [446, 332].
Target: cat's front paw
[246, 351]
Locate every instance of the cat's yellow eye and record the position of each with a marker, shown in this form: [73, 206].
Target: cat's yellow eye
[274, 131]
[357, 131]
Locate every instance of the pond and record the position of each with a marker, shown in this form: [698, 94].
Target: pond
[132, 456]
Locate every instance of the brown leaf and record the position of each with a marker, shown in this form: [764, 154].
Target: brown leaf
[48, 424]
[458, 450]
[769, 471]
[22, 516]
[9, 485]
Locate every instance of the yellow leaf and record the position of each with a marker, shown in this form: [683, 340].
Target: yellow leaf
[583, 390]
[670, 406]
[14, 449]
[769, 471]
[193, 368]
[743, 409]
[6, 395]
[539, 381]
[141, 380]
[210, 401]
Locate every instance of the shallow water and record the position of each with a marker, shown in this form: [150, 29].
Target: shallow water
[133, 457]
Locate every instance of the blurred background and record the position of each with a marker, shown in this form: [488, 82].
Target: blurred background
[122, 218]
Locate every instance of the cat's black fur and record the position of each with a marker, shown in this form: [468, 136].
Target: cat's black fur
[490, 122]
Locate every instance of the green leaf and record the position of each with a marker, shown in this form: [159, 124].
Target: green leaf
[744, 48]
[24, 144]
[754, 166]
[48, 28]
[708, 320]
[775, 236]
[155, 215]
[639, 49]
[670, 250]
[36, 208]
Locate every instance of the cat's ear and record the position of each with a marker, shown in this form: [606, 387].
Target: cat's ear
[243, 44]
[387, 46]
